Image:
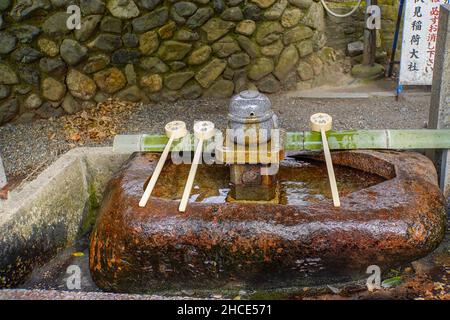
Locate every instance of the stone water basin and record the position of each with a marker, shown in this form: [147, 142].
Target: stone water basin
[392, 212]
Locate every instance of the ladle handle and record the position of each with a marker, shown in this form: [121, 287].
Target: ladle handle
[191, 177]
[331, 176]
[155, 175]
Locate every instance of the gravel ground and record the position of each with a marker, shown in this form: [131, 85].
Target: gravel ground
[29, 148]
[21, 294]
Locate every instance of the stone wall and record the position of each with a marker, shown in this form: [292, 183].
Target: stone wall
[341, 31]
[143, 50]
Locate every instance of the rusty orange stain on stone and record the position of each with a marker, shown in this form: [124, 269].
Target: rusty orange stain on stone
[391, 223]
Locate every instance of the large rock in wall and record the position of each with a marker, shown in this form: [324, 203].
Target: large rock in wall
[156, 50]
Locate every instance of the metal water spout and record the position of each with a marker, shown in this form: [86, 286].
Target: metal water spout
[251, 112]
[253, 146]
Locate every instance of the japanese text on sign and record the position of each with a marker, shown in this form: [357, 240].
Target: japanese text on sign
[419, 41]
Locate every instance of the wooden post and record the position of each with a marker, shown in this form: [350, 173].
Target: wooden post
[440, 96]
[368, 69]
[370, 41]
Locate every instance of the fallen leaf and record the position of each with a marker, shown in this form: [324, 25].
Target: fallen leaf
[391, 282]
[98, 123]
[75, 137]
[78, 254]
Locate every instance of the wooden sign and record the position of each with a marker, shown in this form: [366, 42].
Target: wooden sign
[420, 29]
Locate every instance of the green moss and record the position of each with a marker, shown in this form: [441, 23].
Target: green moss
[92, 210]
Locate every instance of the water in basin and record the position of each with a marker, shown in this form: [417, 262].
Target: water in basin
[299, 182]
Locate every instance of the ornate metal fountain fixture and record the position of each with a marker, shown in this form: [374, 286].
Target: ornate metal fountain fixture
[251, 112]
[252, 148]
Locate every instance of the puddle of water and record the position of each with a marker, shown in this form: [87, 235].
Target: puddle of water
[299, 182]
[58, 274]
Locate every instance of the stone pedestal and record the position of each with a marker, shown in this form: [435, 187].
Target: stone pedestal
[253, 170]
[369, 72]
[250, 184]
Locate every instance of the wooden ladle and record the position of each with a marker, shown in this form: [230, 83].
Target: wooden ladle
[174, 130]
[322, 122]
[203, 130]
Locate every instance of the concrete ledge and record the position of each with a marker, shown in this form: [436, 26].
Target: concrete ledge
[52, 211]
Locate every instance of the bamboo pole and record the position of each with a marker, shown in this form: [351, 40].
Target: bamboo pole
[307, 140]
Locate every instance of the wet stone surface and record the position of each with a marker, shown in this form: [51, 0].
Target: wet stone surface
[425, 278]
[259, 246]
